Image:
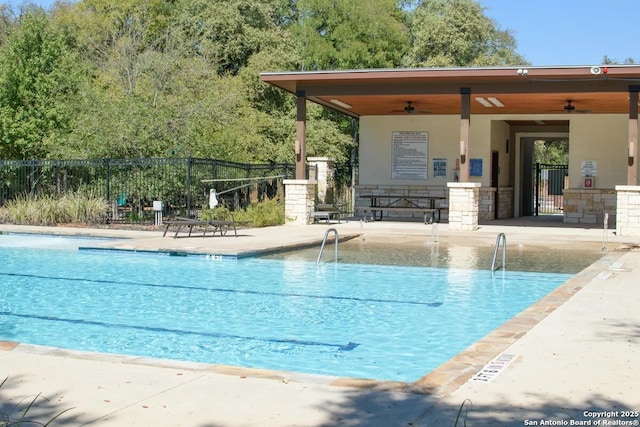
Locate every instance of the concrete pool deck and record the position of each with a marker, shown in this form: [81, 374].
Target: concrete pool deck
[573, 354]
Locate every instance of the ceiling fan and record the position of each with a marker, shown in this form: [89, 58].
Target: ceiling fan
[410, 109]
[570, 108]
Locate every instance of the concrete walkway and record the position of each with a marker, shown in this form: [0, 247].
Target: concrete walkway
[573, 355]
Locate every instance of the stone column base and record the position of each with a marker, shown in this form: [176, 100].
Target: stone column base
[464, 200]
[299, 200]
[628, 210]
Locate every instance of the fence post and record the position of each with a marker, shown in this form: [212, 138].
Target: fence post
[33, 175]
[107, 178]
[188, 159]
[537, 198]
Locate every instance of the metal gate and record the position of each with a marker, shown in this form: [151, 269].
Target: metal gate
[549, 183]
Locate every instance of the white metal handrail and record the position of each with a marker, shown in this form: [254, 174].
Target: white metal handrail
[324, 241]
[501, 237]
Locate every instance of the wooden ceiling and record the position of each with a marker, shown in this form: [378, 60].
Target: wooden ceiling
[533, 91]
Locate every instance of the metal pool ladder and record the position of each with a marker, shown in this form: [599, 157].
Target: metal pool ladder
[501, 237]
[324, 242]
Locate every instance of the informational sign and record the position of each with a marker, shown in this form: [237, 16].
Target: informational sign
[475, 167]
[589, 168]
[410, 154]
[439, 167]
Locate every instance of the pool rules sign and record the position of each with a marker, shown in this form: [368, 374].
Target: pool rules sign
[409, 155]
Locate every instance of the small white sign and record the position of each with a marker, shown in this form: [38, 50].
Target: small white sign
[589, 168]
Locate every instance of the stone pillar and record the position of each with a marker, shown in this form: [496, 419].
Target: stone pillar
[464, 199]
[628, 210]
[299, 200]
[325, 167]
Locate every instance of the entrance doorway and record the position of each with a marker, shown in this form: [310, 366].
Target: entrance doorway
[546, 170]
[550, 181]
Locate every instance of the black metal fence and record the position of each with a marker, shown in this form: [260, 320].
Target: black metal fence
[346, 175]
[131, 185]
[549, 181]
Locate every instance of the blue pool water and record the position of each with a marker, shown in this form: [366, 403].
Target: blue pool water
[354, 320]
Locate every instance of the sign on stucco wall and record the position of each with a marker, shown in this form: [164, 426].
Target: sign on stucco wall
[409, 155]
[439, 167]
[589, 168]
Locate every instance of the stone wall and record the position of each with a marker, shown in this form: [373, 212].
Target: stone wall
[588, 206]
[402, 190]
[628, 205]
[486, 204]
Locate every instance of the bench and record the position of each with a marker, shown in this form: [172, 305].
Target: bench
[429, 213]
[326, 212]
[326, 215]
[215, 226]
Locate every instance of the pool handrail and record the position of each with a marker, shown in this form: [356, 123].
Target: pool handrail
[324, 241]
[501, 237]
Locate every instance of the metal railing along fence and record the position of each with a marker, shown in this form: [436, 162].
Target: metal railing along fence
[131, 185]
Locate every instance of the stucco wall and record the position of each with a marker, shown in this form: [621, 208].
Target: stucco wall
[444, 142]
[499, 137]
[592, 137]
[602, 138]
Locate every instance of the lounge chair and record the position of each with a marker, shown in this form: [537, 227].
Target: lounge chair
[215, 226]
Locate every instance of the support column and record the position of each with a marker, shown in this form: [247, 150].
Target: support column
[464, 199]
[465, 119]
[632, 164]
[325, 167]
[301, 135]
[628, 210]
[299, 200]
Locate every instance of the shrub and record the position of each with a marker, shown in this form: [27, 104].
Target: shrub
[49, 210]
[266, 213]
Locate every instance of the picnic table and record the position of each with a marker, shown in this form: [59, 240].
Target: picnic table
[380, 203]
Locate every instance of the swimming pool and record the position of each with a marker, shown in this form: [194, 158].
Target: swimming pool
[355, 320]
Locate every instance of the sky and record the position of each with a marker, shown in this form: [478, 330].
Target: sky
[562, 32]
[570, 32]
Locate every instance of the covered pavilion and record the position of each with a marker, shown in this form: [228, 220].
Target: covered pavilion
[467, 135]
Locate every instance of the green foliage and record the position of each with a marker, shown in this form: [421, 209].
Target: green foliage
[466, 413]
[265, 213]
[456, 33]
[39, 79]
[156, 78]
[342, 34]
[553, 152]
[51, 210]
[24, 418]
[228, 32]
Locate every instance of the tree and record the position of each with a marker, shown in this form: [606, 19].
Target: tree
[226, 33]
[552, 152]
[39, 79]
[343, 34]
[606, 60]
[456, 33]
